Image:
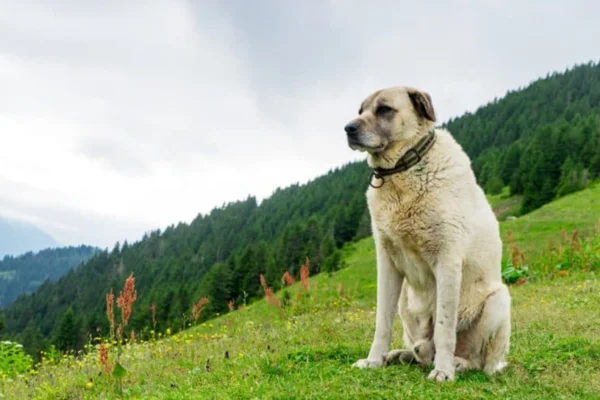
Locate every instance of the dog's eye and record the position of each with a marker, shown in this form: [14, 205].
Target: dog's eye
[382, 110]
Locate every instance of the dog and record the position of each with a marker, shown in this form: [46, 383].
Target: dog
[437, 242]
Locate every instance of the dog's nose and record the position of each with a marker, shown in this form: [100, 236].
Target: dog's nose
[352, 128]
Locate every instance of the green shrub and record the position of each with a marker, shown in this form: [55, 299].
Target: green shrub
[13, 360]
[512, 274]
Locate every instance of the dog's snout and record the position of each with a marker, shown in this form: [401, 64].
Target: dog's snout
[352, 128]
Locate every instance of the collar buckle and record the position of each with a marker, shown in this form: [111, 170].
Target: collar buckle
[374, 174]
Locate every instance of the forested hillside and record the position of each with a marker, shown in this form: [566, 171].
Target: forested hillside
[25, 273]
[220, 255]
[542, 141]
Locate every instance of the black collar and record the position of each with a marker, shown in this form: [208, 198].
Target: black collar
[408, 160]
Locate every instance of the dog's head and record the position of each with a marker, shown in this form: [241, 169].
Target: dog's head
[389, 116]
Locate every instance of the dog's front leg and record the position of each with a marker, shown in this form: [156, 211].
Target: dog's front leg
[389, 283]
[448, 280]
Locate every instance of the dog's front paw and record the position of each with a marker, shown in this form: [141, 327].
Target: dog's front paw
[366, 363]
[440, 375]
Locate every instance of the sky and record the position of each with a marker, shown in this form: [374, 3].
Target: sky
[117, 118]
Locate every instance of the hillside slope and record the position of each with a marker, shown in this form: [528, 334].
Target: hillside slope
[24, 274]
[539, 230]
[219, 255]
[222, 254]
[306, 349]
[17, 237]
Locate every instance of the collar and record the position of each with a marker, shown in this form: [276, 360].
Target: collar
[408, 160]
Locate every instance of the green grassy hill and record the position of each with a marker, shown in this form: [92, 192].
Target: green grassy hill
[579, 211]
[306, 349]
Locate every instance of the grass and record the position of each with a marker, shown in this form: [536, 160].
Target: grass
[505, 205]
[538, 230]
[263, 352]
[257, 353]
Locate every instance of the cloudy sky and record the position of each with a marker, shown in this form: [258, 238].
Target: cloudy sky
[121, 117]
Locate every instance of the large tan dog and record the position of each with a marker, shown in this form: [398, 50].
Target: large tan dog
[437, 241]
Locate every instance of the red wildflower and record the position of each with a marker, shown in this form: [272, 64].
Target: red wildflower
[271, 299]
[304, 271]
[153, 311]
[263, 283]
[103, 359]
[288, 279]
[110, 312]
[198, 307]
[126, 299]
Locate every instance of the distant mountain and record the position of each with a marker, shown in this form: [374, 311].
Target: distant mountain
[25, 273]
[18, 237]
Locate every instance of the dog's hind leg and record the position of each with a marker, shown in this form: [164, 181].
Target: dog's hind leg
[417, 336]
[498, 308]
[400, 356]
[486, 343]
[462, 364]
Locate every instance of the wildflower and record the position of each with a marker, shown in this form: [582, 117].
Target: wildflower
[263, 282]
[270, 296]
[89, 385]
[153, 311]
[288, 279]
[230, 305]
[198, 307]
[168, 332]
[517, 256]
[575, 245]
[304, 270]
[103, 358]
[126, 299]
[110, 313]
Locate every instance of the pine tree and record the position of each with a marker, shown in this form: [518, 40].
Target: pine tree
[67, 333]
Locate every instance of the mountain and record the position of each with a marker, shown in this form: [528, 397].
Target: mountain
[24, 274]
[542, 141]
[17, 237]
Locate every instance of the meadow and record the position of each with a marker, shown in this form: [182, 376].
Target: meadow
[301, 342]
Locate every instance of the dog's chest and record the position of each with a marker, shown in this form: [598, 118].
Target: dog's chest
[408, 259]
[401, 228]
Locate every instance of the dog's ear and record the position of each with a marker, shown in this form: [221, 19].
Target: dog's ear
[422, 103]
